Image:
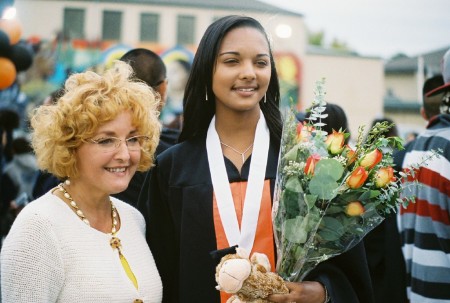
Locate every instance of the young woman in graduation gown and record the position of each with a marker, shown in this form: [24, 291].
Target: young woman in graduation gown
[214, 190]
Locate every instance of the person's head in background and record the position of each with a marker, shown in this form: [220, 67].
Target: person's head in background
[442, 93]
[392, 132]
[150, 68]
[336, 120]
[199, 98]
[63, 130]
[21, 145]
[178, 74]
[431, 104]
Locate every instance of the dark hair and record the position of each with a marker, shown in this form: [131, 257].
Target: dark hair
[431, 104]
[21, 145]
[9, 119]
[336, 120]
[198, 112]
[147, 66]
[393, 132]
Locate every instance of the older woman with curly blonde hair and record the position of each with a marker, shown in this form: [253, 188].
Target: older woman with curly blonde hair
[77, 243]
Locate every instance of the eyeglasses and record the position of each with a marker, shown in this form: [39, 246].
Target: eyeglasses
[111, 144]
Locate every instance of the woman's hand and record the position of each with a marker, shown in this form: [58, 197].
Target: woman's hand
[303, 292]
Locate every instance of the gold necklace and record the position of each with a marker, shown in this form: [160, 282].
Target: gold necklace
[114, 242]
[238, 152]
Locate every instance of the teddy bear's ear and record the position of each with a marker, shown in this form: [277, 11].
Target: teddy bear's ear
[242, 252]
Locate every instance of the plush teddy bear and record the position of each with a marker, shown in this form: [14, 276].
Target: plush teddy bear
[250, 280]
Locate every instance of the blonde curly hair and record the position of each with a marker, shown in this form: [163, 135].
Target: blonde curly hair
[89, 101]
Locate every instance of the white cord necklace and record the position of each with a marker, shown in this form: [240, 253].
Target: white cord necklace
[238, 152]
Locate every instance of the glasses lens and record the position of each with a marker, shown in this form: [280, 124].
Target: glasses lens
[111, 144]
[135, 143]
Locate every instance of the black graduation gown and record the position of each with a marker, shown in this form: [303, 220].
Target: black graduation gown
[176, 202]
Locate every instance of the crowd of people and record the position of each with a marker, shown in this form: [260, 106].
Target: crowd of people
[102, 203]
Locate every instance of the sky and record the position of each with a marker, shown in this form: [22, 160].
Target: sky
[381, 28]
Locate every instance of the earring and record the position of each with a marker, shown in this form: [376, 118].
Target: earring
[67, 182]
[206, 95]
[265, 98]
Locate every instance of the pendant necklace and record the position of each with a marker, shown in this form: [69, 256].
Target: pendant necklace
[114, 242]
[238, 152]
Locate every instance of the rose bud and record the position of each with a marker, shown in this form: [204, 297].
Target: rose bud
[354, 208]
[350, 154]
[335, 142]
[303, 132]
[384, 176]
[371, 159]
[357, 177]
[311, 164]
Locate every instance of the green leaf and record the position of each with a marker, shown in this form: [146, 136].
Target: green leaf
[310, 200]
[295, 229]
[370, 194]
[293, 184]
[292, 154]
[329, 167]
[331, 229]
[323, 186]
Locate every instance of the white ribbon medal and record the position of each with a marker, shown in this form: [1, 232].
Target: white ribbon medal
[246, 236]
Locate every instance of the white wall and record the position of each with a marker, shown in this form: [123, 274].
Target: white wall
[356, 84]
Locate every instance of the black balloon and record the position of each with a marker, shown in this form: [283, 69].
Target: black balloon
[22, 56]
[5, 46]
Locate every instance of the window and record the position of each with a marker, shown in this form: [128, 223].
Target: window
[112, 25]
[149, 27]
[186, 30]
[73, 27]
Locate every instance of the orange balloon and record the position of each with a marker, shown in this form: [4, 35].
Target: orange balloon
[12, 28]
[7, 73]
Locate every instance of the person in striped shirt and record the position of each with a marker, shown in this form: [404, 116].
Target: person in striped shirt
[425, 224]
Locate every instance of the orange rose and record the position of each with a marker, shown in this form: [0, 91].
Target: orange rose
[303, 132]
[354, 208]
[311, 164]
[384, 176]
[357, 177]
[350, 154]
[371, 159]
[335, 142]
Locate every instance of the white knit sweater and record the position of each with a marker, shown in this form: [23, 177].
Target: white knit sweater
[50, 255]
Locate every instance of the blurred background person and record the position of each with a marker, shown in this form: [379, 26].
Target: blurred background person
[16, 183]
[76, 243]
[148, 67]
[383, 250]
[45, 180]
[178, 73]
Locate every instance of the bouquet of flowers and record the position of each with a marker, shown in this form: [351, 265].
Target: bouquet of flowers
[328, 196]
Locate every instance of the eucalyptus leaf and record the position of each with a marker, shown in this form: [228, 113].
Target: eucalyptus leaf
[295, 229]
[370, 194]
[293, 184]
[310, 200]
[330, 167]
[323, 186]
[331, 229]
[292, 154]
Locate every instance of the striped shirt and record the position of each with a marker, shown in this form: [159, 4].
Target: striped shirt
[425, 225]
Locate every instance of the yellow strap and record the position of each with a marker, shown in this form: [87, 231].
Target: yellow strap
[128, 270]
